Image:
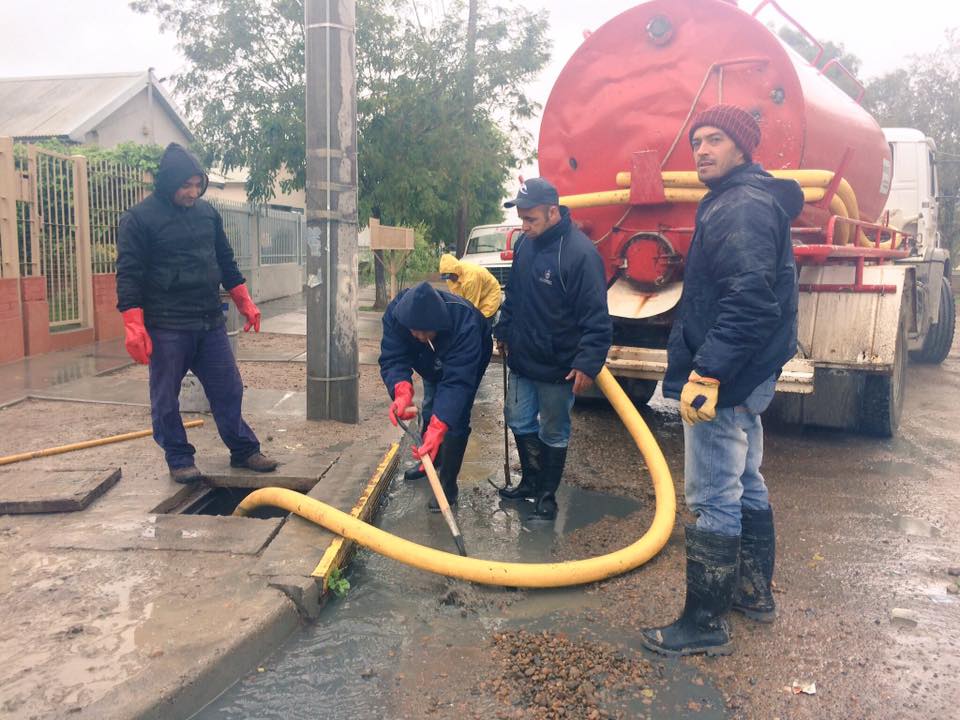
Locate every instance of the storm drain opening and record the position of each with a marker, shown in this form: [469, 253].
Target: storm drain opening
[206, 500]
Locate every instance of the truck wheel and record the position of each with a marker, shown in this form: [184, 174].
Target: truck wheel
[882, 400]
[639, 391]
[939, 339]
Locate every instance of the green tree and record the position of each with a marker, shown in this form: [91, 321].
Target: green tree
[831, 51]
[926, 95]
[438, 125]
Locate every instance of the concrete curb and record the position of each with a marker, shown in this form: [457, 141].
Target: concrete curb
[285, 565]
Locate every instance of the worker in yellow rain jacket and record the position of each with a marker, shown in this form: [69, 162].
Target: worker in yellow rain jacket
[473, 283]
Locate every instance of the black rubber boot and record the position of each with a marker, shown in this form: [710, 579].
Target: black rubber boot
[758, 548]
[552, 460]
[711, 579]
[451, 458]
[528, 447]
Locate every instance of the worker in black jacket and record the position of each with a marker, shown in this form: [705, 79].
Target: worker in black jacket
[173, 256]
[446, 340]
[735, 329]
[555, 332]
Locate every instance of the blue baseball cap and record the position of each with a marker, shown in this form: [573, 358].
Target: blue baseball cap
[533, 192]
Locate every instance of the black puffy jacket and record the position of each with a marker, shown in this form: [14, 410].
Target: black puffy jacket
[555, 317]
[172, 260]
[737, 320]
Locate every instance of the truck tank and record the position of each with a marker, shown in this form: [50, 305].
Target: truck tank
[635, 83]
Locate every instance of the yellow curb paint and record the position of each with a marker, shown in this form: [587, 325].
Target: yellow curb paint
[339, 550]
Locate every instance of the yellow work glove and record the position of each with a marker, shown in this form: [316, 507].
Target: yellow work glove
[698, 399]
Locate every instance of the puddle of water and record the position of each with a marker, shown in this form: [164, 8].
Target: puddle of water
[914, 526]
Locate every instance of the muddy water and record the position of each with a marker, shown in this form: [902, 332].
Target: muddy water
[404, 643]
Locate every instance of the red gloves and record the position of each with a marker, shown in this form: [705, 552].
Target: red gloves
[401, 407]
[432, 439]
[241, 297]
[137, 340]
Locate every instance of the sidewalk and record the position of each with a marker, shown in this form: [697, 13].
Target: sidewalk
[151, 600]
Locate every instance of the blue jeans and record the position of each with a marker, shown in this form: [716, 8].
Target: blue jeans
[207, 353]
[722, 463]
[540, 407]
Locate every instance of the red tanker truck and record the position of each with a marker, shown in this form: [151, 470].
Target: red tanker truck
[874, 276]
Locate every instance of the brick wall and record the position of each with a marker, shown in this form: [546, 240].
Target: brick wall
[108, 323]
[36, 315]
[11, 323]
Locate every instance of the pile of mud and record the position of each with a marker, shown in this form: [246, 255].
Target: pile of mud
[548, 675]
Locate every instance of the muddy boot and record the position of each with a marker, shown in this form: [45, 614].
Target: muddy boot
[418, 473]
[711, 579]
[552, 460]
[451, 458]
[753, 596]
[528, 447]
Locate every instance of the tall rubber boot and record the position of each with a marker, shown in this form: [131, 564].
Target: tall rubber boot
[711, 580]
[451, 458]
[529, 449]
[552, 461]
[758, 548]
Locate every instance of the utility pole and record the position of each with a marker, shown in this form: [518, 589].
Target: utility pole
[331, 194]
[469, 101]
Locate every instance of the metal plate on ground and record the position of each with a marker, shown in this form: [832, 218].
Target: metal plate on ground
[195, 533]
[25, 490]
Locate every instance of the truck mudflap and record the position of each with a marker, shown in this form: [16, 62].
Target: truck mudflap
[650, 364]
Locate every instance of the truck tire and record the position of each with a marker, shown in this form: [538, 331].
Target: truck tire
[882, 400]
[939, 339]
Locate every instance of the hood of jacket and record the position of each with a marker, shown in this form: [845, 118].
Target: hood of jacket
[176, 167]
[422, 308]
[787, 193]
[450, 265]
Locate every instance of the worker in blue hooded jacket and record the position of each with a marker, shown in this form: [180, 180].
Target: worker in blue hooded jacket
[446, 340]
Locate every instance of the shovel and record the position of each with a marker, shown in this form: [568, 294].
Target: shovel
[435, 486]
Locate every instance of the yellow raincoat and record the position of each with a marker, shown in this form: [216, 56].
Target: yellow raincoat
[474, 283]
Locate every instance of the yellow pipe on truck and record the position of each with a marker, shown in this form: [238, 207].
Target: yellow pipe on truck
[493, 572]
[808, 179]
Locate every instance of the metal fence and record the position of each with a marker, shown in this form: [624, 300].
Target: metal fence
[113, 187]
[262, 236]
[53, 235]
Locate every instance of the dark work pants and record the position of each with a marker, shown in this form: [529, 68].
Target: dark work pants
[207, 353]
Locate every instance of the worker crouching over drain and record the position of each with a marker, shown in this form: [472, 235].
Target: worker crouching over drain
[473, 283]
[446, 340]
[736, 327]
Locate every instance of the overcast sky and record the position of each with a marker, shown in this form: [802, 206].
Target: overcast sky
[64, 37]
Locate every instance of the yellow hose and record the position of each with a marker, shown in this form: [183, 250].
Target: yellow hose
[493, 572]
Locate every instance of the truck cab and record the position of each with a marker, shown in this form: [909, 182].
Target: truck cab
[912, 202]
[488, 245]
